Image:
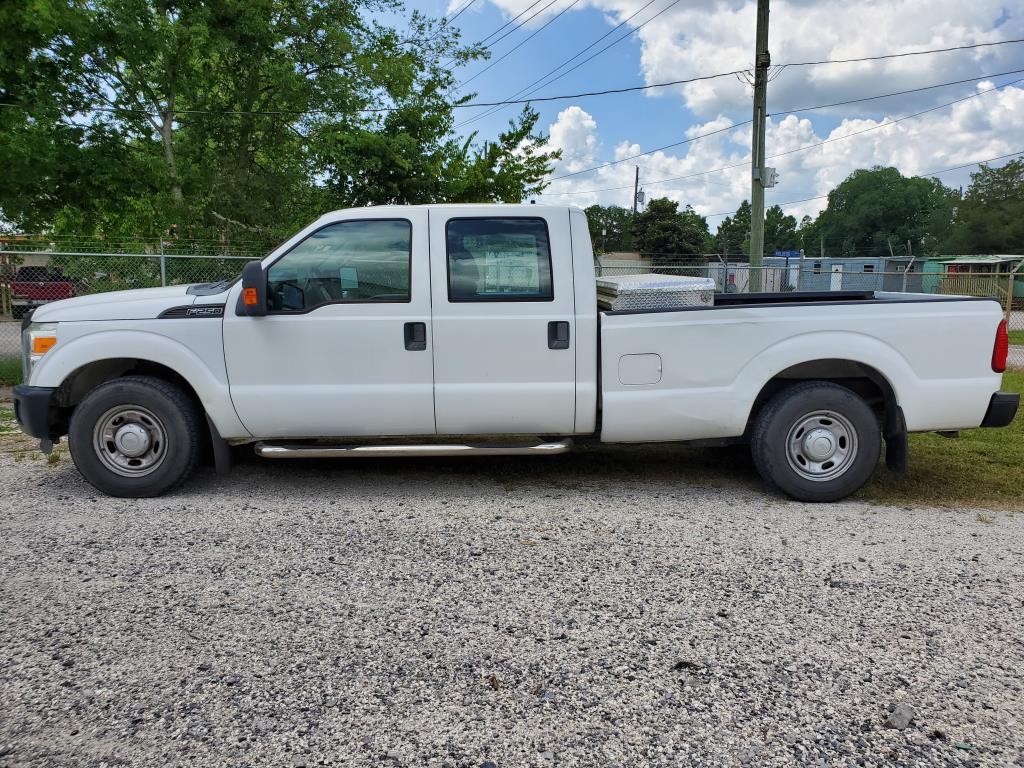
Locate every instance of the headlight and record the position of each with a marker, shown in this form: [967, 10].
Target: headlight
[37, 340]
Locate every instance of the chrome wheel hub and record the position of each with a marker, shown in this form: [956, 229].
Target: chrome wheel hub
[130, 440]
[821, 446]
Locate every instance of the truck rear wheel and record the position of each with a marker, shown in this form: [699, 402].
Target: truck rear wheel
[136, 436]
[816, 441]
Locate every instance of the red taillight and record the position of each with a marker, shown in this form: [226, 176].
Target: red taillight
[1001, 348]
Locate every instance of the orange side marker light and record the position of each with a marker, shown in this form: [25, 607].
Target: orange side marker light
[43, 344]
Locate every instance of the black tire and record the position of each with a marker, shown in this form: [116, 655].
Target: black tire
[160, 411]
[795, 430]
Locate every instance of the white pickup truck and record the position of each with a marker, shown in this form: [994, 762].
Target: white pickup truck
[475, 329]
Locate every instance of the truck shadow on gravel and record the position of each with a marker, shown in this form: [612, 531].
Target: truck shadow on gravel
[590, 467]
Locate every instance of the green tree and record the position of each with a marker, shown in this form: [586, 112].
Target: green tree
[733, 236]
[671, 236]
[990, 219]
[808, 236]
[872, 209]
[611, 228]
[227, 119]
[779, 231]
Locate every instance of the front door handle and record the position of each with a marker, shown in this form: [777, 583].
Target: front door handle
[558, 334]
[415, 336]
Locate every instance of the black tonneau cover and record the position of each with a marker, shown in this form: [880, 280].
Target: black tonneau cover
[802, 298]
[790, 297]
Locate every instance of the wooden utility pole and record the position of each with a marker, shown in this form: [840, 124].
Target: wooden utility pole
[636, 189]
[762, 60]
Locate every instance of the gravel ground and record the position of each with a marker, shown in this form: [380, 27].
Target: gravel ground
[600, 609]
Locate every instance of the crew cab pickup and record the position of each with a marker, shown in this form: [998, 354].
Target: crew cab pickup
[475, 329]
[34, 286]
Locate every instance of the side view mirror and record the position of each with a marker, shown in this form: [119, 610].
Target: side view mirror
[252, 301]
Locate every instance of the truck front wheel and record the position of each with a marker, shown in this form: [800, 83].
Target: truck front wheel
[136, 436]
[816, 441]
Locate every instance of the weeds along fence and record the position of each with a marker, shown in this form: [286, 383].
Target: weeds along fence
[44, 268]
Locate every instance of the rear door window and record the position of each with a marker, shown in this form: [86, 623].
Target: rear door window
[499, 259]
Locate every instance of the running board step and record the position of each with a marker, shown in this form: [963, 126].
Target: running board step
[292, 451]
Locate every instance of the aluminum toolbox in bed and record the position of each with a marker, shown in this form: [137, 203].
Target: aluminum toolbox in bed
[632, 292]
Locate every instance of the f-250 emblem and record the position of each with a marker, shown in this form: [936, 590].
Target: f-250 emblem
[215, 310]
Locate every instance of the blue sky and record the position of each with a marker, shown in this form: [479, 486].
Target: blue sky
[698, 37]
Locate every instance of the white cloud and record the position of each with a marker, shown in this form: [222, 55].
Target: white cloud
[699, 37]
[575, 133]
[987, 126]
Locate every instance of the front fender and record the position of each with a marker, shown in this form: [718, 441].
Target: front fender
[75, 352]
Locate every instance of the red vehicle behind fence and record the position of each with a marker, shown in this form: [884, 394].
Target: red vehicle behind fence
[33, 286]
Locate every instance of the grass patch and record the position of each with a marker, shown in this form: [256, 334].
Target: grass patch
[1017, 337]
[7, 422]
[983, 467]
[10, 371]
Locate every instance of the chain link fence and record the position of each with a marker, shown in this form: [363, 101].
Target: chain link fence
[37, 269]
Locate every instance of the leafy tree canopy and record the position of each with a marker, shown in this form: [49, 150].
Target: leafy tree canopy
[733, 235]
[671, 236]
[990, 219]
[611, 228]
[874, 209]
[779, 231]
[250, 118]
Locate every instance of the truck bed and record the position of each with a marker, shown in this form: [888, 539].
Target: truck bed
[695, 373]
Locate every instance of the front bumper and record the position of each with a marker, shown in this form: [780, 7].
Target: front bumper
[32, 409]
[1001, 409]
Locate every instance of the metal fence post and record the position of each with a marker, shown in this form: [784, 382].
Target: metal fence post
[1009, 292]
[163, 265]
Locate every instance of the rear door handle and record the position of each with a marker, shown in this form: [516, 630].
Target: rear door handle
[415, 336]
[558, 334]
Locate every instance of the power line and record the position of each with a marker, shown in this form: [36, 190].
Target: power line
[584, 94]
[606, 92]
[562, 97]
[698, 137]
[520, 25]
[699, 78]
[522, 42]
[904, 54]
[496, 107]
[732, 73]
[459, 12]
[976, 162]
[789, 111]
[788, 152]
[484, 39]
[897, 93]
[615, 42]
[897, 120]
